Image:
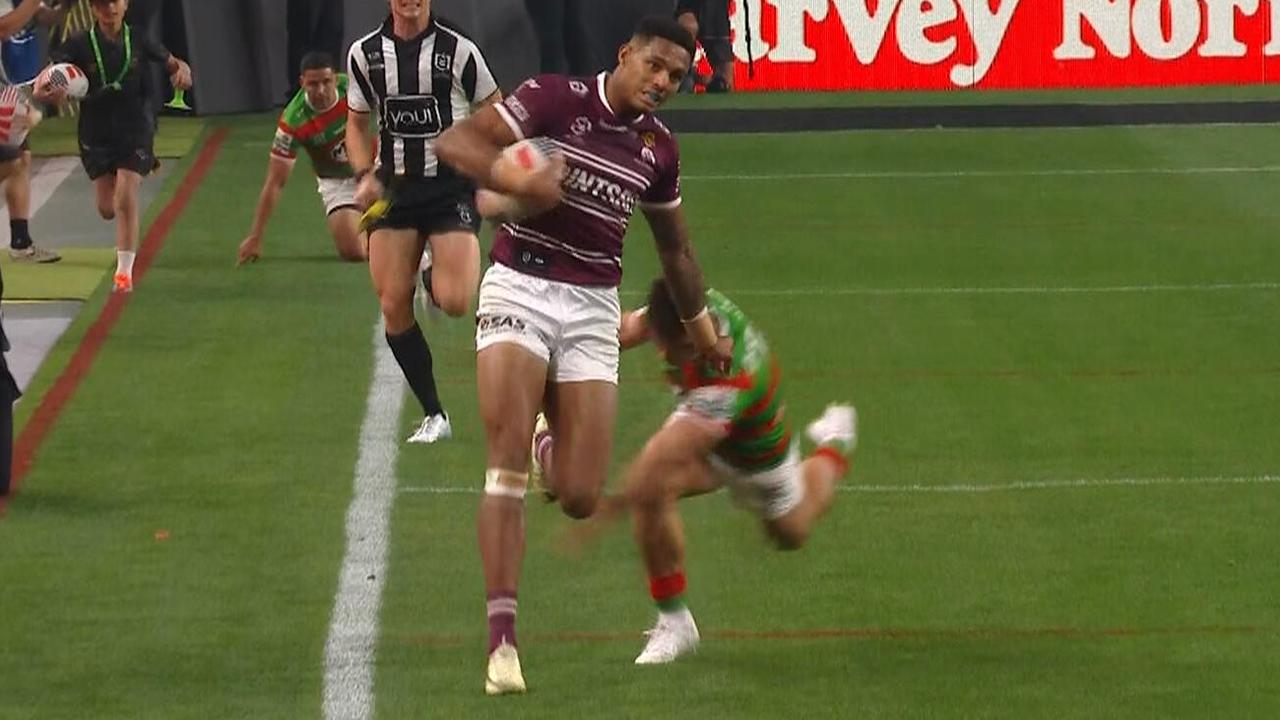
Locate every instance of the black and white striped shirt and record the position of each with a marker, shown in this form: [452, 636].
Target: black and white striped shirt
[418, 87]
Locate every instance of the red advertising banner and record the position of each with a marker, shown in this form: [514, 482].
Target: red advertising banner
[957, 44]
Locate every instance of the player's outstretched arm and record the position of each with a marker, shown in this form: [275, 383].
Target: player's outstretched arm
[278, 170]
[684, 277]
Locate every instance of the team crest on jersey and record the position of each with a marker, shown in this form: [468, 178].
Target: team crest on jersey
[581, 125]
[648, 139]
[578, 87]
[442, 62]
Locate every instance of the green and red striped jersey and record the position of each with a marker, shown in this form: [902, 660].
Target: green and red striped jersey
[322, 133]
[746, 399]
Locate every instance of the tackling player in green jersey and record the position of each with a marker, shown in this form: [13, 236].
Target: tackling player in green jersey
[730, 428]
[315, 121]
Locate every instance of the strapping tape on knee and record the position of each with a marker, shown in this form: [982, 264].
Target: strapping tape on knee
[505, 483]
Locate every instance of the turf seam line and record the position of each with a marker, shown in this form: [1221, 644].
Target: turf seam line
[1011, 290]
[875, 633]
[978, 173]
[27, 444]
[963, 488]
[351, 646]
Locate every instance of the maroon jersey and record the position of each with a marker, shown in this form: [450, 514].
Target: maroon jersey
[613, 165]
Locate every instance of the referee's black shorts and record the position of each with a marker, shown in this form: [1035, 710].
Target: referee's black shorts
[430, 206]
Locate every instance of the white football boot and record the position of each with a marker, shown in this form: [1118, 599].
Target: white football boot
[837, 428]
[674, 634]
[504, 675]
[537, 473]
[433, 429]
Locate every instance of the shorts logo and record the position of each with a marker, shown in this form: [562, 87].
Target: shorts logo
[489, 325]
[464, 213]
[581, 126]
[578, 87]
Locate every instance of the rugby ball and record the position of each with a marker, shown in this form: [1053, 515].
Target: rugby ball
[65, 75]
[527, 156]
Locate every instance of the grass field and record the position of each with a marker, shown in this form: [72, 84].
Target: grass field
[1062, 344]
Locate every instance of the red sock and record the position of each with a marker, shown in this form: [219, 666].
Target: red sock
[834, 456]
[668, 590]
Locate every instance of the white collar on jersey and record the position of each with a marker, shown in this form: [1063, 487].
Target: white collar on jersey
[605, 100]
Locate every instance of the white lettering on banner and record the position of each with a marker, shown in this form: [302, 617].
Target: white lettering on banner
[1273, 47]
[915, 18]
[867, 29]
[1184, 27]
[931, 32]
[1120, 23]
[1221, 39]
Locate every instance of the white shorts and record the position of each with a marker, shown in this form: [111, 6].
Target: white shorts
[574, 329]
[770, 493]
[337, 193]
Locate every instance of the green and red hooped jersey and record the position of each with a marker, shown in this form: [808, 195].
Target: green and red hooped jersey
[321, 133]
[747, 399]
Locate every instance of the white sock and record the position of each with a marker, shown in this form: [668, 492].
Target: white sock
[124, 262]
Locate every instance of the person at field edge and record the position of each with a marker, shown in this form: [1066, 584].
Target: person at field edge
[547, 322]
[117, 124]
[316, 121]
[20, 63]
[422, 75]
[728, 429]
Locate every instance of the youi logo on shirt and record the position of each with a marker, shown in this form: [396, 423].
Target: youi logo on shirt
[412, 116]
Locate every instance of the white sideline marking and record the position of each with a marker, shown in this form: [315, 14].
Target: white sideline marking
[1030, 290]
[974, 488]
[353, 629]
[46, 176]
[952, 174]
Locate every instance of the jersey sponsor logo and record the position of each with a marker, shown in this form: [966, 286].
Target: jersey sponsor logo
[578, 87]
[618, 197]
[412, 116]
[581, 125]
[282, 144]
[647, 155]
[712, 402]
[339, 153]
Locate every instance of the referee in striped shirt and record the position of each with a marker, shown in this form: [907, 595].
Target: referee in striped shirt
[421, 75]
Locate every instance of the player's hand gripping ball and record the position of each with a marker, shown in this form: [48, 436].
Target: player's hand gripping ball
[521, 162]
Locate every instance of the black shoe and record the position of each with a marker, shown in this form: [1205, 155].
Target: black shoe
[718, 85]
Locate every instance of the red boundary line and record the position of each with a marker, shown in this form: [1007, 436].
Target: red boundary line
[27, 444]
